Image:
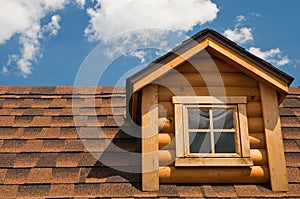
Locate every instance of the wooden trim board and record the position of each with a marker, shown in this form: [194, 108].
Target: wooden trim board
[150, 158]
[273, 134]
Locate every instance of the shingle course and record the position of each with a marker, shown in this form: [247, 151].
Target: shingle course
[45, 153]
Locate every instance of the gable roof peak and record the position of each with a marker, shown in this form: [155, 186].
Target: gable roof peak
[215, 39]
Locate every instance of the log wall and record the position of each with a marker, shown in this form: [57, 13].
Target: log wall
[216, 79]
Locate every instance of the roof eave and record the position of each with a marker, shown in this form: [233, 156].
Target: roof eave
[219, 38]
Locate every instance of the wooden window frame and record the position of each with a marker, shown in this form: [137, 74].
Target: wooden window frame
[242, 155]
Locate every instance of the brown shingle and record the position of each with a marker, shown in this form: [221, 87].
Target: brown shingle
[189, 191]
[224, 191]
[46, 159]
[18, 90]
[83, 121]
[208, 191]
[66, 175]
[63, 90]
[290, 122]
[6, 111]
[294, 90]
[40, 175]
[118, 190]
[291, 103]
[25, 160]
[26, 103]
[267, 192]
[168, 191]
[90, 132]
[293, 174]
[74, 146]
[113, 132]
[248, 191]
[31, 191]
[53, 145]
[88, 159]
[8, 191]
[87, 190]
[291, 133]
[52, 112]
[294, 190]
[10, 133]
[292, 159]
[2, 175]
[17, 112]
[43, 90]
[93, 175]
[66, 133]
[53, 132]
[3, 89]
[68, 112]
[12, 103]
[61, 190]
[23, 121]
[85, 90]
[111, 121]
[11, 146]
[6, 121]
[33, 146]
[68, 159]
[41, 121]
[289, 112]
[111, 89]
[41, 103]
[30, 132]
[16, 176]
[58, 103]
[113, 102]
[33, 112]
[291, 146]
[53, 154]
[79, 102]
[118, 159]
[62, 121]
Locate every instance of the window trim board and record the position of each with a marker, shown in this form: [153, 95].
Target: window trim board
[242, 131]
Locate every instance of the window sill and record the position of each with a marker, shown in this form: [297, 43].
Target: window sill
[214, 162]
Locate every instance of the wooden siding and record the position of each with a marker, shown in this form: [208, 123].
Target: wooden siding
[217, 78]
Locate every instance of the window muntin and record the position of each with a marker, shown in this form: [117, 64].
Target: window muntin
[211, 131]
[224, 140]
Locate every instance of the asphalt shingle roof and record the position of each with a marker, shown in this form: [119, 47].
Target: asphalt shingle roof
[44, 154]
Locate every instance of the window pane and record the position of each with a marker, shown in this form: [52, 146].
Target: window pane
[223, 118]
[199, 142]
[198, 118]
[224, 142]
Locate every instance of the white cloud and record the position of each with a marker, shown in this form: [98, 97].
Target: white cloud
[239, 35]
[23, 18]
[255, 14]
[53, 27]
[16, 15]
[139, 54]
[273, 56]
[4, 70]
[110, 17]
[240, 18]
[80, 2]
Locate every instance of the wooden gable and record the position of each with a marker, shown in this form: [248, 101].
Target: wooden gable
[204, 67]
[216, 45]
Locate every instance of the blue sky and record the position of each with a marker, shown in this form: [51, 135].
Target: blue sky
[52, 42]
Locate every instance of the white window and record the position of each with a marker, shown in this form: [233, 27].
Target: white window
[211, 131]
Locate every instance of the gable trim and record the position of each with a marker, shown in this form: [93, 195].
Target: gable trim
[204, 39]
[250, 68]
